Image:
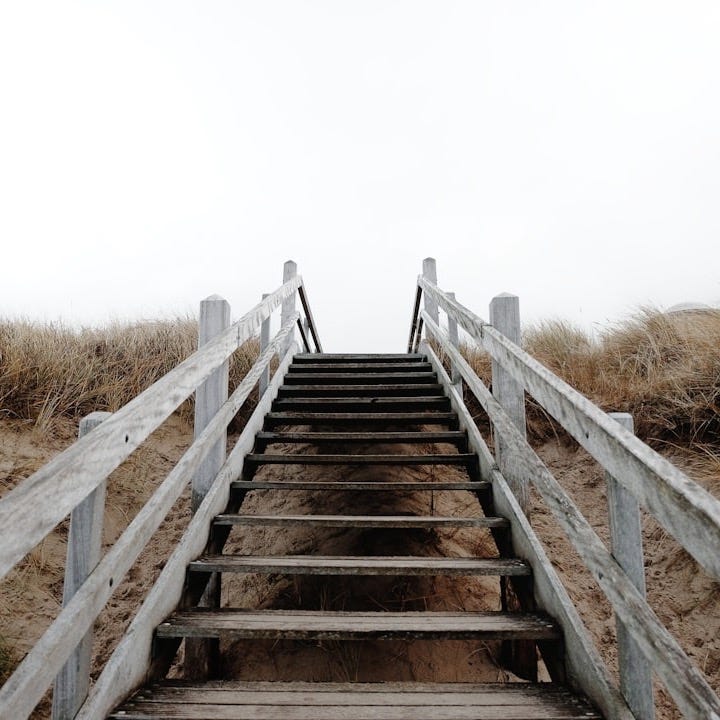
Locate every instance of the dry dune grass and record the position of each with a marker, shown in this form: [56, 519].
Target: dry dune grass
[50, 370]
[664, 369]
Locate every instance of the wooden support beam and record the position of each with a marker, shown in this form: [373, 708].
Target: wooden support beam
[430, 274]
[83, 554]
[626, 539]
[264, 340]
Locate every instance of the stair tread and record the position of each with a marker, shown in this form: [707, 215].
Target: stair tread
[238, 700]
[347, 459]
[397, 521]
[449, 436]
[351, 485]
[363, 401]
[346, 565]
[298, 378]
[410, 418]
[299, 624]
[367, 367]
[431, 389]
[356, 357]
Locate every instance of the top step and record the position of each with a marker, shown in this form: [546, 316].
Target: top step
[311, 358]
[309, 369]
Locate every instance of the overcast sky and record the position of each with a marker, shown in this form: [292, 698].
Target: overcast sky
[153, 153]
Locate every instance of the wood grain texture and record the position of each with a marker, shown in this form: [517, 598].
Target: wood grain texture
[585, 669]
[39, 503]
[371, 486]
[376, 565]
[362, 521]
[126, 668]
[338, 625]
[687, 511]
[27, 684]
[685, 683]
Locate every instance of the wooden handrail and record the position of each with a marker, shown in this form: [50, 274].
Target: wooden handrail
[686, 684]
[686, 510]
[31, 510]
[26, 686]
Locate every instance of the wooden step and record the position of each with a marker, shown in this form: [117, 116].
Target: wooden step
[362, 521]
[346, 391]
[344, 485]
[455, 437]
[360, 404]
[371, 367]
[238, 700]
[339, 565]
[273, 419]
[350, 378]
[342, 625]
[255, 459]
[313, 358]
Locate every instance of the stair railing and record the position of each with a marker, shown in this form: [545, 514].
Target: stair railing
[32, 509]
[681, 506]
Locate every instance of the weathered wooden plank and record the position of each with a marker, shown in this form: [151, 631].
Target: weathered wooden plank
[687, 511]
[84, 549]
[426, 389]
[288, 304]
[310, 369]
[126, 668]
[585, 668]
[686, 684]
[362, 521]
[27, 684]
[505, 318]
[348, 378]
[273, 419]
[303, 335]
[148, 711]
[338, 625]
[33, 508]
[414, 320]
[357, 357]
[429, 273]
[379, 565]
[347, 459]
[406, 438]
[361, 404]
[626, 543]
[264, 340]
[343, 485]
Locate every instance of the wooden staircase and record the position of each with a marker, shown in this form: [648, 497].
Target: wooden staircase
[355, 402]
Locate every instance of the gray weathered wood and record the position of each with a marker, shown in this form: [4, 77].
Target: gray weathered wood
[586, 670]
[342, 625]
[274, 419]
[333, 378]
[32, 509]
[687, 511]
[288, 306]
[209, 397]
[442, 436]
[686, 684]
[264, 340]
[27, 684]
[430, 274]
[626, 543]
[454, 339]
[201, 656]
[362, 521]
[371, 486]
[376, 565]
[505, 318]
[83, 554]
[347, 459]
[127, 666]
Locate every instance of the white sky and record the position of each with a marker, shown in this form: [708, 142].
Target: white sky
[153, 153]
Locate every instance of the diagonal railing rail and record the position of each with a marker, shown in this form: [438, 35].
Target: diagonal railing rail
[686, 510]
[45, 498]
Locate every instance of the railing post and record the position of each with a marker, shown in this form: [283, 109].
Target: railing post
[505, 317]
[83, 554]
[453, 333]
[430, 274]
[264, 342]
[201, 656]
[214, 318]
[626, 539]
[288, 306]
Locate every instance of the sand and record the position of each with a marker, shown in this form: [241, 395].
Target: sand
[680, 593]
